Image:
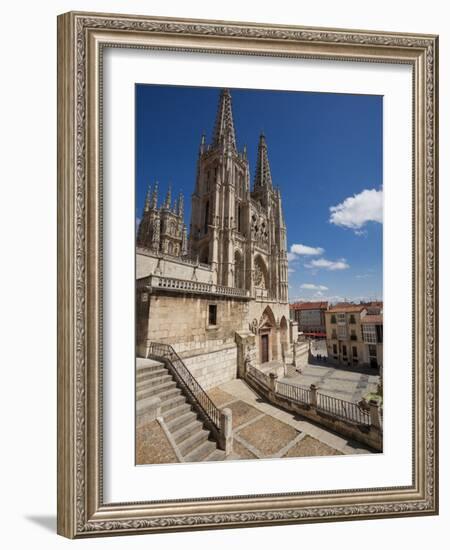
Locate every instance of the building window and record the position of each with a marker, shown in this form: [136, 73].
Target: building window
[379, 329]
[369, 334]
[334, 335]
[355, 351]
[352, 319]
[212, 314]
[372, 351]
[353, 335]
[341, 318]
[335, 349]
[342, 332]
[333, 319]
[344, 351]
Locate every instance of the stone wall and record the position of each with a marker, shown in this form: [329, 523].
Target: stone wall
[182, 320]
[214, 368]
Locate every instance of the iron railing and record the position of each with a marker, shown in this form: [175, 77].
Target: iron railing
[346, 410]
[186, 380]
[294, 393]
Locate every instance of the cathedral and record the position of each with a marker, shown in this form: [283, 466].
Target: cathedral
[220, 294]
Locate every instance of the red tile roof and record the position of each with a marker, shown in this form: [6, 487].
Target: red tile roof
[347, 308]
[372, 319]
[309, 305]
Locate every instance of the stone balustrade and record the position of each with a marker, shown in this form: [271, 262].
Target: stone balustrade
[195, 287]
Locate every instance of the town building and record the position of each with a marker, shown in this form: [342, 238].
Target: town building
[310, 317]
[372, 335]
[354, 337]
[220, 295]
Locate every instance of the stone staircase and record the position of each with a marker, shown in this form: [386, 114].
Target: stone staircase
[191, 441]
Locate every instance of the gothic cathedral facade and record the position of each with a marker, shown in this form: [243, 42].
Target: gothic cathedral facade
[222, 293]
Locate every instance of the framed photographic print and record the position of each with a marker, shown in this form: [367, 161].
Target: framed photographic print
[247, 284]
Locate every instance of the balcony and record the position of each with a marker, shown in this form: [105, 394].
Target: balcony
[155, 282]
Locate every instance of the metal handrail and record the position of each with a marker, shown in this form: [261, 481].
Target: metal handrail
[294, 392]
[185, 378]
[334, 406]
[346, 410]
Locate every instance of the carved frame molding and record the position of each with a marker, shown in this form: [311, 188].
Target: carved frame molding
[81, 37]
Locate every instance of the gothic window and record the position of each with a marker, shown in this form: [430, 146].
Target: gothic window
[206, 220]
[238, 270]
[204, 255]
[260, 274]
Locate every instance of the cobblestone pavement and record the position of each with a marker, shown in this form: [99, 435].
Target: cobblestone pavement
[261, 430]
[348, 383]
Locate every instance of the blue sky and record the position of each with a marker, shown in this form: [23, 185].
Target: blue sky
[325, 153]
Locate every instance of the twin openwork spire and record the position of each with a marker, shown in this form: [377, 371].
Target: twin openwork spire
[263, 177]
[224, 133]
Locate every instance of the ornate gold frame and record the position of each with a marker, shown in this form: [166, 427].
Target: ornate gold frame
[81, 510]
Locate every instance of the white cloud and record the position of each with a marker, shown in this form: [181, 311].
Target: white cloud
[354, 212]
[291, 257]
[290, 270]
[328, 264]
[311, 286]
[304, 250]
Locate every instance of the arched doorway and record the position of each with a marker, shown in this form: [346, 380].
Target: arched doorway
[267, 337]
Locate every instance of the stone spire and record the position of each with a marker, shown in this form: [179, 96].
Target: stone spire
[202, 144]
[184, 241]
[155, 197]
[148, 198]
[263, 178]
[168, 200]
[180, 208]
[224, 127]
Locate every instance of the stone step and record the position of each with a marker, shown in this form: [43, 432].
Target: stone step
[181, 420]
[201, 451]
[148, 365]
[193, 441]
[174, 413]
[143, 404]
[186, 431]
[160, 390]
[155, 381]
[216, 454]
[141, 376]
[172, 402]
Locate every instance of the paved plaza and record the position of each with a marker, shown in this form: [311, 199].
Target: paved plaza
[342, 382]
[260, 430]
